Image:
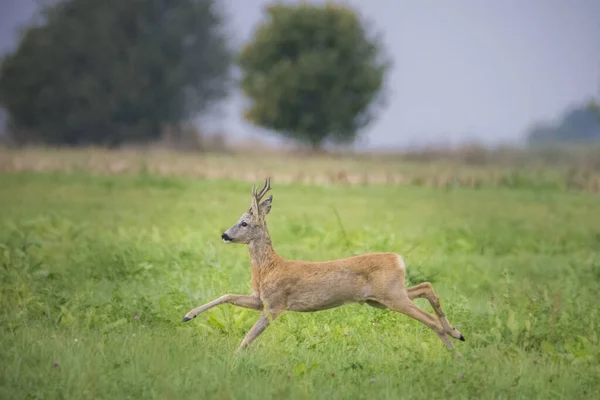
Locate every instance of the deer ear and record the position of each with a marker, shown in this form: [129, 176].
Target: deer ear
[265, 206]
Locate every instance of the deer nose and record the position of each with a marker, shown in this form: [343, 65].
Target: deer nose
[225, 237]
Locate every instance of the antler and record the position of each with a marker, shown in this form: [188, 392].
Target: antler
[258, 196]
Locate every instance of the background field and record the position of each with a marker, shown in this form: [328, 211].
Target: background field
[574, 168]
[82, 254]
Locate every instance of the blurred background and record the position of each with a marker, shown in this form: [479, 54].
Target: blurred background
[511, 84]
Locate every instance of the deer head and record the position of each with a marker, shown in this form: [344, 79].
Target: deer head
[252, 224]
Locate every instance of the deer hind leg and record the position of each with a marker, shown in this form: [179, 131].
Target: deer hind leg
[400, 302]
[425, 290]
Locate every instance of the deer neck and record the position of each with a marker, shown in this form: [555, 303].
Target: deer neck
[261, 252]
[262, 259]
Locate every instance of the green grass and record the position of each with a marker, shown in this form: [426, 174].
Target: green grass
[517, 271]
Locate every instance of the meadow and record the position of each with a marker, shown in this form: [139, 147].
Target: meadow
[97, 270]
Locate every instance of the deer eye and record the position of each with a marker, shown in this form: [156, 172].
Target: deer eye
[244, 224]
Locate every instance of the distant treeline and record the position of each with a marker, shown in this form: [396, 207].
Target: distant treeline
[112, 72]
[578, 124]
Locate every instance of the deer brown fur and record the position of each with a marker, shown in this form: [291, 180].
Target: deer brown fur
[278, 285]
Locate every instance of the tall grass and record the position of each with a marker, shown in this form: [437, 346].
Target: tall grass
[565, 169]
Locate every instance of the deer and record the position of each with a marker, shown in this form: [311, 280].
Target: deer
[279, 284]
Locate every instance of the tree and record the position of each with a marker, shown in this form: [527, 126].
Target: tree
[578, 124]
[313, 73]
[594, 108]
[110, 71]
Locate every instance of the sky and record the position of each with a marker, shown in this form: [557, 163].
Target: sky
[463, 70]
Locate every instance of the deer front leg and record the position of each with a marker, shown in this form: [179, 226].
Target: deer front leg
[258, 328]
[425, 290]
[239, 300]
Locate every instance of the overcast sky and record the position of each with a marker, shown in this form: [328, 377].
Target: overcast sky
[463, 69]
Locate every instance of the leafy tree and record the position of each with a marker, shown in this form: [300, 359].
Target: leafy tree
[111, 71]
[313, 73]
[578, 124]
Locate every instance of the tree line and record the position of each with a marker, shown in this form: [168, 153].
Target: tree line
[578, 124]
[112, 72]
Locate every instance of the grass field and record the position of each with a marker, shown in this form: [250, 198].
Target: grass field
[96, 273]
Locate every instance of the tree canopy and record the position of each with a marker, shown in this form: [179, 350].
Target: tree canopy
[580, 123]
[313, 73]
[106, 72]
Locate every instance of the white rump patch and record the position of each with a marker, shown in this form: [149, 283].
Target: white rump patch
[401, 262]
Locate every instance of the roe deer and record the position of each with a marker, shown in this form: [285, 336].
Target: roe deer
[376, 279]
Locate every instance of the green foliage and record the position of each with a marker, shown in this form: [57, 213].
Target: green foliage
[517, 270]
[578, 124]
[111, 71]
[313, 73]
[595, 109]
